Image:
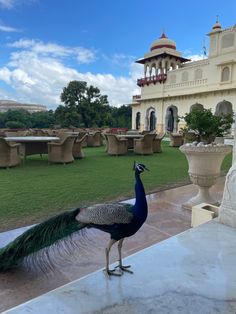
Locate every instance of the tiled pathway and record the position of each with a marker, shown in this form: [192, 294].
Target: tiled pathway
[166, 218]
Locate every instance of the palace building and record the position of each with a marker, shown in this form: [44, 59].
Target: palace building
[172, 85]
[6, 105]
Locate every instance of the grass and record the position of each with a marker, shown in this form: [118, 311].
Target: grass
[37, 190]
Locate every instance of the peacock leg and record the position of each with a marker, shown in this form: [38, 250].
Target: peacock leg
[122, 267]
[108, 271]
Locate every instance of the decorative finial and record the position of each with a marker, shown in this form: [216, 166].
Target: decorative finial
[217, 18]
[163, 34]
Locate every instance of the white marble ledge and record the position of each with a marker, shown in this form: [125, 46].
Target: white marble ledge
[193, 272]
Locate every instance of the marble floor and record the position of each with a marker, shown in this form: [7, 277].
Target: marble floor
[166, 218]
[190, 273]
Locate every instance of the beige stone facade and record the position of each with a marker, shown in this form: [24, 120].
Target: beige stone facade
[171, 84]
[6, 105]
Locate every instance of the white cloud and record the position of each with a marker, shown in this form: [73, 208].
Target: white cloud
[7, 4]
[37, 74]
[11, 4]
[8, 29]
[81, 54]
[195, 57]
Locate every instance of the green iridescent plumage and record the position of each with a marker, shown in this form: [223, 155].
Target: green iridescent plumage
[39, 237]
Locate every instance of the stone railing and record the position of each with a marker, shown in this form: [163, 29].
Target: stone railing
[187, 84]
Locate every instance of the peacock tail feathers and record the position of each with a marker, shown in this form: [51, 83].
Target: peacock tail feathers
[39, 237]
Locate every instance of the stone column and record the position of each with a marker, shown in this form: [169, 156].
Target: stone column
[227, 211]
[234, 145]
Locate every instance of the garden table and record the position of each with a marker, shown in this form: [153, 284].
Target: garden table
[130, 138]
[31, 145]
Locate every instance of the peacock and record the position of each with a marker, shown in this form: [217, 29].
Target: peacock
[117, 219]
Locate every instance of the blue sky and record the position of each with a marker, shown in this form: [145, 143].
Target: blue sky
[47, 43]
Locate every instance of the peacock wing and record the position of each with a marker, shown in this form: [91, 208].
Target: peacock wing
[105, 214]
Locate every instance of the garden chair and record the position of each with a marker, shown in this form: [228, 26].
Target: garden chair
[61, 152]
[16, 133]
[144, 145]
[157, 142]
[9, 154]
[77, 147]
[94, 139]
[116, 146]
[81, 134]
[176, 139]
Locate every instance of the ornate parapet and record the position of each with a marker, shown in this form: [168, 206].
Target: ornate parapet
[161, 78]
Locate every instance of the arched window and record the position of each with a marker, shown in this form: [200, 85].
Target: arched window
[153, 69]
[185, 76]
[138, 118]
[146, 71]
[173, 78]
[171, 119]
[225, 74]
[196, 106]
[198, 74]
[224, 107]
[152, 121]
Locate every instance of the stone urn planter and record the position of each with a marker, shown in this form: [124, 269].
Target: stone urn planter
[204, 168]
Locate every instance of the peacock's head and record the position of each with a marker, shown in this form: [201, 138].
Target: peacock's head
[139, 168]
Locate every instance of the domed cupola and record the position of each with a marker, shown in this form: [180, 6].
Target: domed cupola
[217, 26]
[163, 42]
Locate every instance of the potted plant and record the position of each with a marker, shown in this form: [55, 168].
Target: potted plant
[204, 156]
[206, 125]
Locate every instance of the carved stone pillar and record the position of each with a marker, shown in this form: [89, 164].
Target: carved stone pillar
[228, 206]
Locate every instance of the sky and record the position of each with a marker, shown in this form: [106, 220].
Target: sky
[45, 44]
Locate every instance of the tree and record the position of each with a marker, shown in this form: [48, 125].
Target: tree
[86, 101]
[42, 119]
[21, 118]
[122, 116]
[67, 117]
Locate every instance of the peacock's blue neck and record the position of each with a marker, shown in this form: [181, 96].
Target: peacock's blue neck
[140, 206]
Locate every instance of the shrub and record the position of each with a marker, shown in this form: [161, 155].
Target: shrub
[206, 125]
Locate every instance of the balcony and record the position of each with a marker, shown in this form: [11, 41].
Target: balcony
[136, 98]
[160, 78]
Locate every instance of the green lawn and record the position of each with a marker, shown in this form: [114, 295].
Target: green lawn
[36, 190]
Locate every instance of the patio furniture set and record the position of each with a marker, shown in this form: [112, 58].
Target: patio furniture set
[140, 144]
[63, 146]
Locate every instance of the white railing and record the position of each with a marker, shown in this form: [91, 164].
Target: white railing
[187, 84]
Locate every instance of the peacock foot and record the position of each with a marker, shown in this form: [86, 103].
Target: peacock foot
[111, 272]
[125, 268]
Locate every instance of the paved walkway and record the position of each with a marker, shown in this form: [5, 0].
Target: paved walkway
[166, 218]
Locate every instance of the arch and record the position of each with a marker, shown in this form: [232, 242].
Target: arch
[225, 74]
[150, 119]
[137, 120]
[172, 66]
[173, 78]
[198, 74]
[196, 106]
[224, 107]
[185, 76]
[152, 124]
[171, 119]
[153, 69]
[147, 70]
